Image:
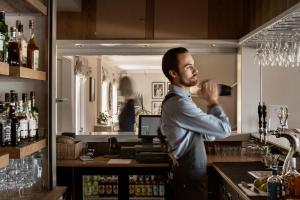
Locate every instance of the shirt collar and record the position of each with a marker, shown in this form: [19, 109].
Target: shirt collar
[178, 90]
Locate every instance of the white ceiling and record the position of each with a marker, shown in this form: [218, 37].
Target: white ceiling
[129, 63]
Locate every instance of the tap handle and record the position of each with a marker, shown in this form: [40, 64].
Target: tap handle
[264, 115]
[259, 111]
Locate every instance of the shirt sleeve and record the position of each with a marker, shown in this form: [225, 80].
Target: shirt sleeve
[213, 124]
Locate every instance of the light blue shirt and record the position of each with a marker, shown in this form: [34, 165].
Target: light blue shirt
[183, 121]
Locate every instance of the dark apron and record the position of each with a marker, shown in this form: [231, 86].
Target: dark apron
[189, 179]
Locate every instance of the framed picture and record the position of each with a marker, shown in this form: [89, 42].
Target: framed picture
[158, 90]
[156, 107]
[92, 89]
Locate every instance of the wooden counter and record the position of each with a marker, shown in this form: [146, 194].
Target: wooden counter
[102, 162]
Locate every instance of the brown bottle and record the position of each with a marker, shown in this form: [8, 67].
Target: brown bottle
[13, 49]
[32, 49]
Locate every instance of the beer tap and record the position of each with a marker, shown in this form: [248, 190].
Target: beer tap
[260, 130]
[294, 145]
[264, 123]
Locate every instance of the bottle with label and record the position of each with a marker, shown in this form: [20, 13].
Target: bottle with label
[161, 187]
[23, 45]
[32, 49]
[15, 137]
[143, 186]
[25, 114]
[132, 180]
[95, 186]
[5, 133]
[289, 180]
[3, 37]
[155, 186]
[138, 188]
[108, 186]
[35, 115]
[297, 186]
[101, 187]
[274, 186]
[13, 49]
[115, 186]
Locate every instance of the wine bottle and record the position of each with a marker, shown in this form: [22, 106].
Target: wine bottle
[13, 49]
[32, 49]
[3, 37]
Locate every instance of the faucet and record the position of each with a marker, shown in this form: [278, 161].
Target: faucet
[294, 145]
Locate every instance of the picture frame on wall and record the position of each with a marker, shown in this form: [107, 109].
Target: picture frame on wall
[156, 107]
[158, 90]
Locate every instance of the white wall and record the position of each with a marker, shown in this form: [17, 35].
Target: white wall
[281, 87]
[222, 69]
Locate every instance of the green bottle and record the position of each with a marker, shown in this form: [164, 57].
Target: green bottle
[3, 37]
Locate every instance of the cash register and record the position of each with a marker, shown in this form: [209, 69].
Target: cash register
[148, 151]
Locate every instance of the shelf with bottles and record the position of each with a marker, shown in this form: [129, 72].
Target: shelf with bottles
[4, 160]
[24, 149]
[23, 6]
[146, 187]
[100, 187]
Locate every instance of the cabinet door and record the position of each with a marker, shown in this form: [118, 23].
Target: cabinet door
[120, 19]
[179, 19]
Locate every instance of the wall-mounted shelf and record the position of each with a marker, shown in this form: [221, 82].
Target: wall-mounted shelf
[24, 149]
[4, 69]
[23, 72]
[23, 6]
[4, 160]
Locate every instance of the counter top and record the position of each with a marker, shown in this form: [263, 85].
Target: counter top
[101, 161]
[235, 172]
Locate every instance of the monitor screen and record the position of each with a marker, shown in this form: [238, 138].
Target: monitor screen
[148, 125]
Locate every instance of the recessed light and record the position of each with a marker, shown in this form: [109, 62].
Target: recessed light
[110, 44]
[212, 45]
[78, 45]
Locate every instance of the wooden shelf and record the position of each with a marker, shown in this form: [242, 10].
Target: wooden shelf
[24, 149]
[23, 6]
[4, 160]
[4, 69]
[24, 72]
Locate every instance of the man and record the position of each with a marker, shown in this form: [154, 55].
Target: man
[186, 126]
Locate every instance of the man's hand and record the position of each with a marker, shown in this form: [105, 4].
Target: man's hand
[209, 90]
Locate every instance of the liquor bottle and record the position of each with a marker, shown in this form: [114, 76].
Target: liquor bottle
[4, 126]
[3, 37]
[13, 49]
[25, 113]
[23, 46]
[274, 184]
[35, 115]
[143, 186]
[32, 49]
[15, 137]
[289, 180]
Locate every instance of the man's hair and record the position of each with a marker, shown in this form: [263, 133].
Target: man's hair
[170, 60]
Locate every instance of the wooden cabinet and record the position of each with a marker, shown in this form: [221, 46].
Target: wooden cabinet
[181, 19]
[120, 19]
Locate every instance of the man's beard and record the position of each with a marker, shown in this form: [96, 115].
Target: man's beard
[188, 82]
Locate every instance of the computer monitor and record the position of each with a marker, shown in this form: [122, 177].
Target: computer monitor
[148, 126]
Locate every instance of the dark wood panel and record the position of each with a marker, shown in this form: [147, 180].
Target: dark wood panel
[179, 19]
[120, 19]
[258, 12]
[225, 19]
[77, 25]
